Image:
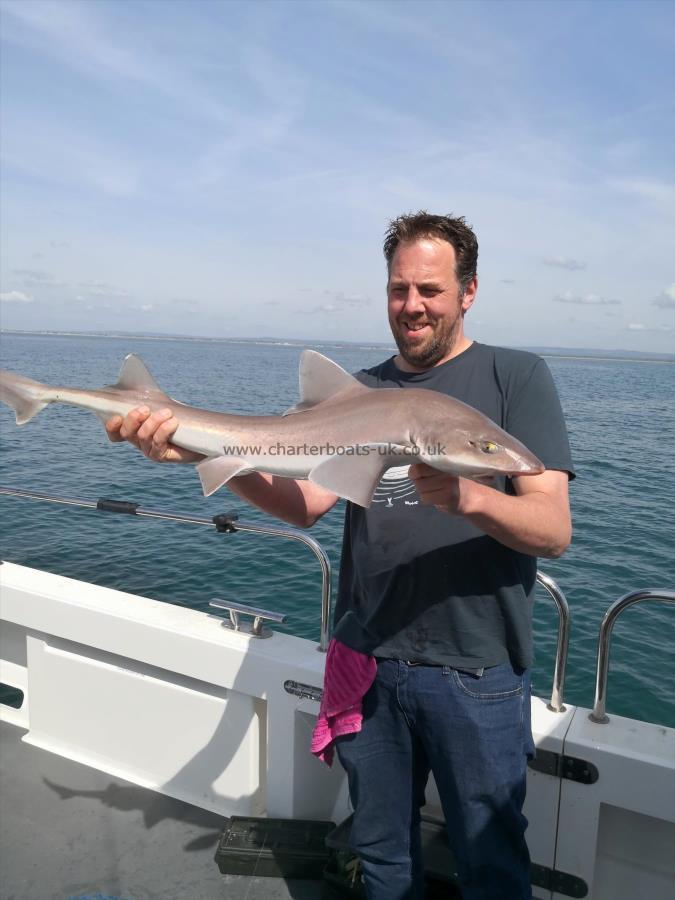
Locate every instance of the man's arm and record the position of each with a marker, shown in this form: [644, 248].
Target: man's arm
[536, 521]
[299, 503]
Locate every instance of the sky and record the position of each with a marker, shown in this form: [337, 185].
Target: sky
[228, 169]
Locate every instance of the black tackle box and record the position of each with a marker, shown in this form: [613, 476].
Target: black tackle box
[281, 848]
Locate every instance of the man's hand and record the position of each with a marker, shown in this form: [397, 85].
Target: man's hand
[448, 493]
[151, 433]
[535, 521]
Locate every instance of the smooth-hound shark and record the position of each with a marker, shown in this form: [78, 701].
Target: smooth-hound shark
[342, 435]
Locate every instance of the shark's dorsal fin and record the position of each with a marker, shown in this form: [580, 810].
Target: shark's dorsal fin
[321, 379]
[135, 376]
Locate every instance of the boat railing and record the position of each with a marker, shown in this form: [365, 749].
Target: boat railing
[223, 523]
[230, 523]
[599, 715]
[556, 704]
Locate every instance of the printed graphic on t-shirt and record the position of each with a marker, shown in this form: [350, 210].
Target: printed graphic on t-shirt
[396, 488]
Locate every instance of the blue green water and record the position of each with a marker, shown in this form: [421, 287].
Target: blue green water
[621, 419]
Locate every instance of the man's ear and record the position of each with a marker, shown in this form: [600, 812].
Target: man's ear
[470, 294]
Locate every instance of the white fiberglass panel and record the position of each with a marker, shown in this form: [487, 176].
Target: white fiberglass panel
[634, 855]
[599, 834]
[194, 741]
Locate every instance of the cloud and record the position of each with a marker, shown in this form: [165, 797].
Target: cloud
[146, 307]
[37, 278]
[15, 297]
[59, 244]
[324, 308]
[659, 193]
[339, 298]
[564, 262]
[101, 289]
[666, 299]
[443, 45]
[640, 326]
[83, 36]
[339, 302]
[586, 300]
[559, 164]
[44, 148]
[185, 301]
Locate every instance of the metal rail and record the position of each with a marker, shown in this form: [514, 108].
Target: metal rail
[226, 524]
[599, 715]
[557, 692]
[230, 524]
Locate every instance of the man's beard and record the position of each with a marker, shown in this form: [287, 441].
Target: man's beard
[428, 353]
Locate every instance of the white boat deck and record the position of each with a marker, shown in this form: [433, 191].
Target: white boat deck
[145, 725]
[69, 831]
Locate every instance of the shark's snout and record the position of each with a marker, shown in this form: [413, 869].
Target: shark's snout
[525, 462]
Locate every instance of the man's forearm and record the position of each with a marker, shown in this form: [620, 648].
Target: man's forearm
[299, 503]
[531, 523]
[535, 521]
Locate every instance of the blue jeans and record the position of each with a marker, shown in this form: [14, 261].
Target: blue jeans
[473, 732]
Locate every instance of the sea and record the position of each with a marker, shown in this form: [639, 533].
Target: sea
[621, 419]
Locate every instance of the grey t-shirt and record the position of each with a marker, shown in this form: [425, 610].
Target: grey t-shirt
[416, 583]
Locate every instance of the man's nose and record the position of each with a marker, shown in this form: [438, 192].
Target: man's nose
[413, 301]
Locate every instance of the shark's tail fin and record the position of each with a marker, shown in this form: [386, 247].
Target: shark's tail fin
[26, 397]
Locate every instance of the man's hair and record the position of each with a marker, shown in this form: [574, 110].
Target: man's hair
[420, 225]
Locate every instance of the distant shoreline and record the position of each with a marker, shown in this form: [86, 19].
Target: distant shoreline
[642, 359]
[551, 352]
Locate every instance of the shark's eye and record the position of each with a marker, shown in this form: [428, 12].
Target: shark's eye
[485, 446]
[489, 447]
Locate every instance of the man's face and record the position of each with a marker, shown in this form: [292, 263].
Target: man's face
[425, 303]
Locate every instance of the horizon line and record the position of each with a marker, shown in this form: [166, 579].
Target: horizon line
[544, 350]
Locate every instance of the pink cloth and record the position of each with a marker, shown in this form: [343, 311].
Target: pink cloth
[348, 676]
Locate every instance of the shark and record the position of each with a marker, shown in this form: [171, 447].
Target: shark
[341, 435]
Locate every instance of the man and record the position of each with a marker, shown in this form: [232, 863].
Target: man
[436, 582]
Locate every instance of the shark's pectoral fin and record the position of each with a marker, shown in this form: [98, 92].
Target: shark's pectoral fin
[353, 476]
[218, 470]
